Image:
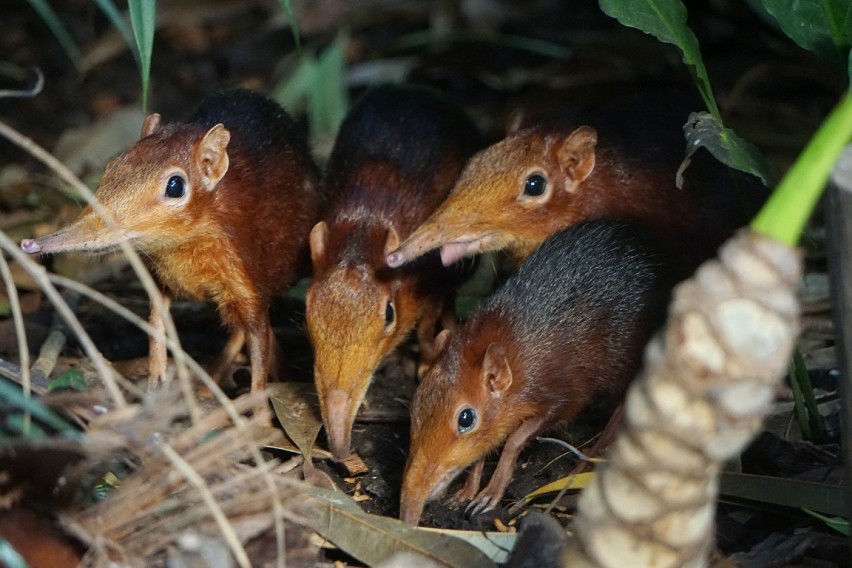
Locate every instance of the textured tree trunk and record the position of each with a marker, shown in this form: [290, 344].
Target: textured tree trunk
[708, 379]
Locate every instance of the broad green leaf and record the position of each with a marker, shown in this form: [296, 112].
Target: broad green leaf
[704, 130]
[329, 97]
[70, 379]
[12, 395]
[785, 213]
[143, 20]
[839, 524]
[666, 20]
[52, 21]
[372, 538]
[824, 27]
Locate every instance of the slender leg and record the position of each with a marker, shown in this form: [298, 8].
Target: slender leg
[276, 357]
[259, 347]
[493, 492]
[471, 483]
[229, 354]
[603, 442]
[157, 355]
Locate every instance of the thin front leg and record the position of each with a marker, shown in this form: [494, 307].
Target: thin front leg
[157, 355]
[259, 347]
[493, 492]
[471, 483]
[229, 353]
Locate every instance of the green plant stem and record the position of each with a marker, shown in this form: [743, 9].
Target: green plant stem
[785, 213]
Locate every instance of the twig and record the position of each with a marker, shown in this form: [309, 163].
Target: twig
[136, 263]
[222, 521]
[21, 333]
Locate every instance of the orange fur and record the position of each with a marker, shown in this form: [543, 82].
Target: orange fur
[237, 237]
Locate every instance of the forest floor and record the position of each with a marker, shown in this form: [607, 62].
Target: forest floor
[544, 56]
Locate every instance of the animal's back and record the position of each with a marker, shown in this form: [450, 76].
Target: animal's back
[586, 299]
[399, 149]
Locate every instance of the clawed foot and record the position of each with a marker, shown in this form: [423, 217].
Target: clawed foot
[462, 496]
[487, 500]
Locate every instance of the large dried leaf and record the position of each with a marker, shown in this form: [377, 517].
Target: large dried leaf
[297, 409]
[371, 538]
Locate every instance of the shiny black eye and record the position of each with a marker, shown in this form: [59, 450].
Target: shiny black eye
[467, 419]
[175, 187]
[535, 185]
[389, 313]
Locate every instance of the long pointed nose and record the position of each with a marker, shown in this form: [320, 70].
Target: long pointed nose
[339, 417]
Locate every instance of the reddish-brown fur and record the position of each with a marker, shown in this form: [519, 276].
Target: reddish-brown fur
[567, 328]
[237, 238]
[487, 210]
[396, 158]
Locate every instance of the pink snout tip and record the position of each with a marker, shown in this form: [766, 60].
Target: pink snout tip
[395, 259]
[30, 246]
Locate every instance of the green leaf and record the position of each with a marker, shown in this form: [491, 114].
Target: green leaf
[52, 21]
[829, 499]
[824, 27]
[839, 524]
[12, 395]
[294, 28]
[785, 213]
[666, 20]
[329, 98]
[143, 20]
[70, 379]
[704, 130]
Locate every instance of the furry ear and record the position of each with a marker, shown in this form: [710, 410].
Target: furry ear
[393, 241]
[496, 373]
[441, 341]
[211, 155]
[516, 122]
[577, 155]
[319, 242]
[150, 125]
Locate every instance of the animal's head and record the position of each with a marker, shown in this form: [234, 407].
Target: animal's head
[461, 410]
[513, 194]
[356, 313]
[154, 192]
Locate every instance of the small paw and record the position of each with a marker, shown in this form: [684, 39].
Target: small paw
[485, 501]
[461, 496]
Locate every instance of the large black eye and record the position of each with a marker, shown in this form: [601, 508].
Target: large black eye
[535, 185]
[389, 313]
[175, 187]
[467, 419]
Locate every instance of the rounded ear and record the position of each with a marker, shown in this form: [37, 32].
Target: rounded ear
[441, 341]
[393, 241]
[577, 155]
[150, 125]
[319, 243]
[211, 155]
[496, 373]
[517, 119]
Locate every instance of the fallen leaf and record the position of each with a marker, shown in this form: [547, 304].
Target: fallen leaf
[371, 538]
